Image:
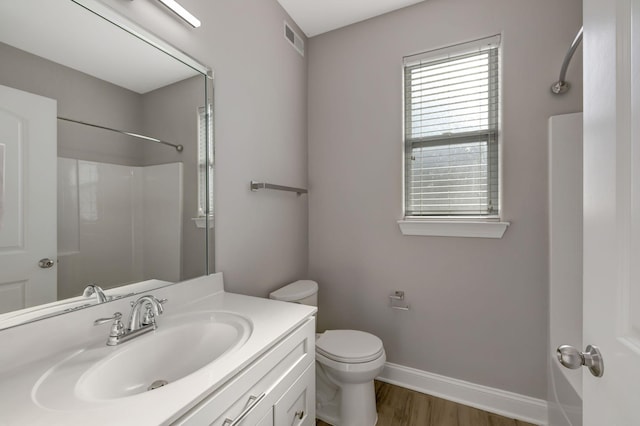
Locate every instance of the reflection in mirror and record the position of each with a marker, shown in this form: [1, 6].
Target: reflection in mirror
[85, 205]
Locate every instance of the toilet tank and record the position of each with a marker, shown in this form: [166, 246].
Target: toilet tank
[302, 291]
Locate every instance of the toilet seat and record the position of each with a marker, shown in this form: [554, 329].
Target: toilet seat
[349, 346]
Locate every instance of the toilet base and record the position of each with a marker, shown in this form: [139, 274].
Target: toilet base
[327, 398]
[329, 413]
[351, 405]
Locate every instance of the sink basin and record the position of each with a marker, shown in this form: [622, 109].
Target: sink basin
[179, 347]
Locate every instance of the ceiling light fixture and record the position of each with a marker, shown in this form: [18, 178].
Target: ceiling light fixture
[181, 12]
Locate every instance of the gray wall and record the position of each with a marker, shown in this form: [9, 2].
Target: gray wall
[260, 133]
[478, 306]
[80, 97]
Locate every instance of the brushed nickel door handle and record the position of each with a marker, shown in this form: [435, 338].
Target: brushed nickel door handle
[572, 358]
[46, 263]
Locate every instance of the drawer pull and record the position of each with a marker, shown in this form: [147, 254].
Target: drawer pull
[251, 403]
[299, 414]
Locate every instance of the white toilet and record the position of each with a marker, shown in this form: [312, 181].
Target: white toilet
[347, 361]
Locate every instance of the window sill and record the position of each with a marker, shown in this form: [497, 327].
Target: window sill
[453, 228]
[200, 222]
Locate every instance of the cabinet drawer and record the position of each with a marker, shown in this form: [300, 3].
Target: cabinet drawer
[250, 413]
[254, 390]
[297, 407]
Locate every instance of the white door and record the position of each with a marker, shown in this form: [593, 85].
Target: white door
[611, 298]
[28, 150]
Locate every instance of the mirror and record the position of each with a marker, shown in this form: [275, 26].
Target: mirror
[106, 158]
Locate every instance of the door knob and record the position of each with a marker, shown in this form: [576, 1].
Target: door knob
[572, 358]
[46, 263]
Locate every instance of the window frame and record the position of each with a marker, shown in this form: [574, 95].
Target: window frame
[205, 168]
[487, 225]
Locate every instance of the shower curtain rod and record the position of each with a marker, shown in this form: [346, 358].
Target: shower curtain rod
[561, 86]
[178, 148]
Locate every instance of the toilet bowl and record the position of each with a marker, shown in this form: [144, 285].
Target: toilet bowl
[347, 362]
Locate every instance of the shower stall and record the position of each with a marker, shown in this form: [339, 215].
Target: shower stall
[117, 224]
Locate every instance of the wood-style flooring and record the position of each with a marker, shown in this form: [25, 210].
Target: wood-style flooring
[403, 407]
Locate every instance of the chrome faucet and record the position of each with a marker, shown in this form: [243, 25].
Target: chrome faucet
[152, 308]
[92, 289]
[139, 323]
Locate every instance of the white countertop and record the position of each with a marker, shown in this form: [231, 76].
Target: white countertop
[29, 351]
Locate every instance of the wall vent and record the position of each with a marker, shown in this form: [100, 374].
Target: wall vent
[294, 38]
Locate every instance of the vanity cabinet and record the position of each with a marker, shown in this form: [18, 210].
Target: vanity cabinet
[277, 389]
[297, 405]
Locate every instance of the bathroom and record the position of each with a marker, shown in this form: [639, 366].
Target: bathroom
[477, 328]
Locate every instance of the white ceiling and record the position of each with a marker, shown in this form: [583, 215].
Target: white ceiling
[319, 16]
[104, 51]
[68, 34]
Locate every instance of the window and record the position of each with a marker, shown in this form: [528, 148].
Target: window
[451, 131]
[205, 173]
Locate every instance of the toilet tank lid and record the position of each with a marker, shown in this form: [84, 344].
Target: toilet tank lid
[295, 291]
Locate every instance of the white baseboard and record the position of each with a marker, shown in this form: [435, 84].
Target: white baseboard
[496, 401]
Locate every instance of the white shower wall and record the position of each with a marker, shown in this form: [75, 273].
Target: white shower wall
[117, 224]
[161, 221]
[565, 265]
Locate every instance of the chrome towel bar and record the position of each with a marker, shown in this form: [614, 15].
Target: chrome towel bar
[263, 185]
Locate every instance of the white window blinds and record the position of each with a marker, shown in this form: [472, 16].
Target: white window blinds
[205, 170]
[451, 130]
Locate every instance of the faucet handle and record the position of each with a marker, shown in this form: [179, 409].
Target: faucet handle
[149, 317]
[117, 328]
[116, 317]
[161, 303]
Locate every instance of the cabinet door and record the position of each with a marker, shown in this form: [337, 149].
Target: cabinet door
[297, 407]
[267, 420]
